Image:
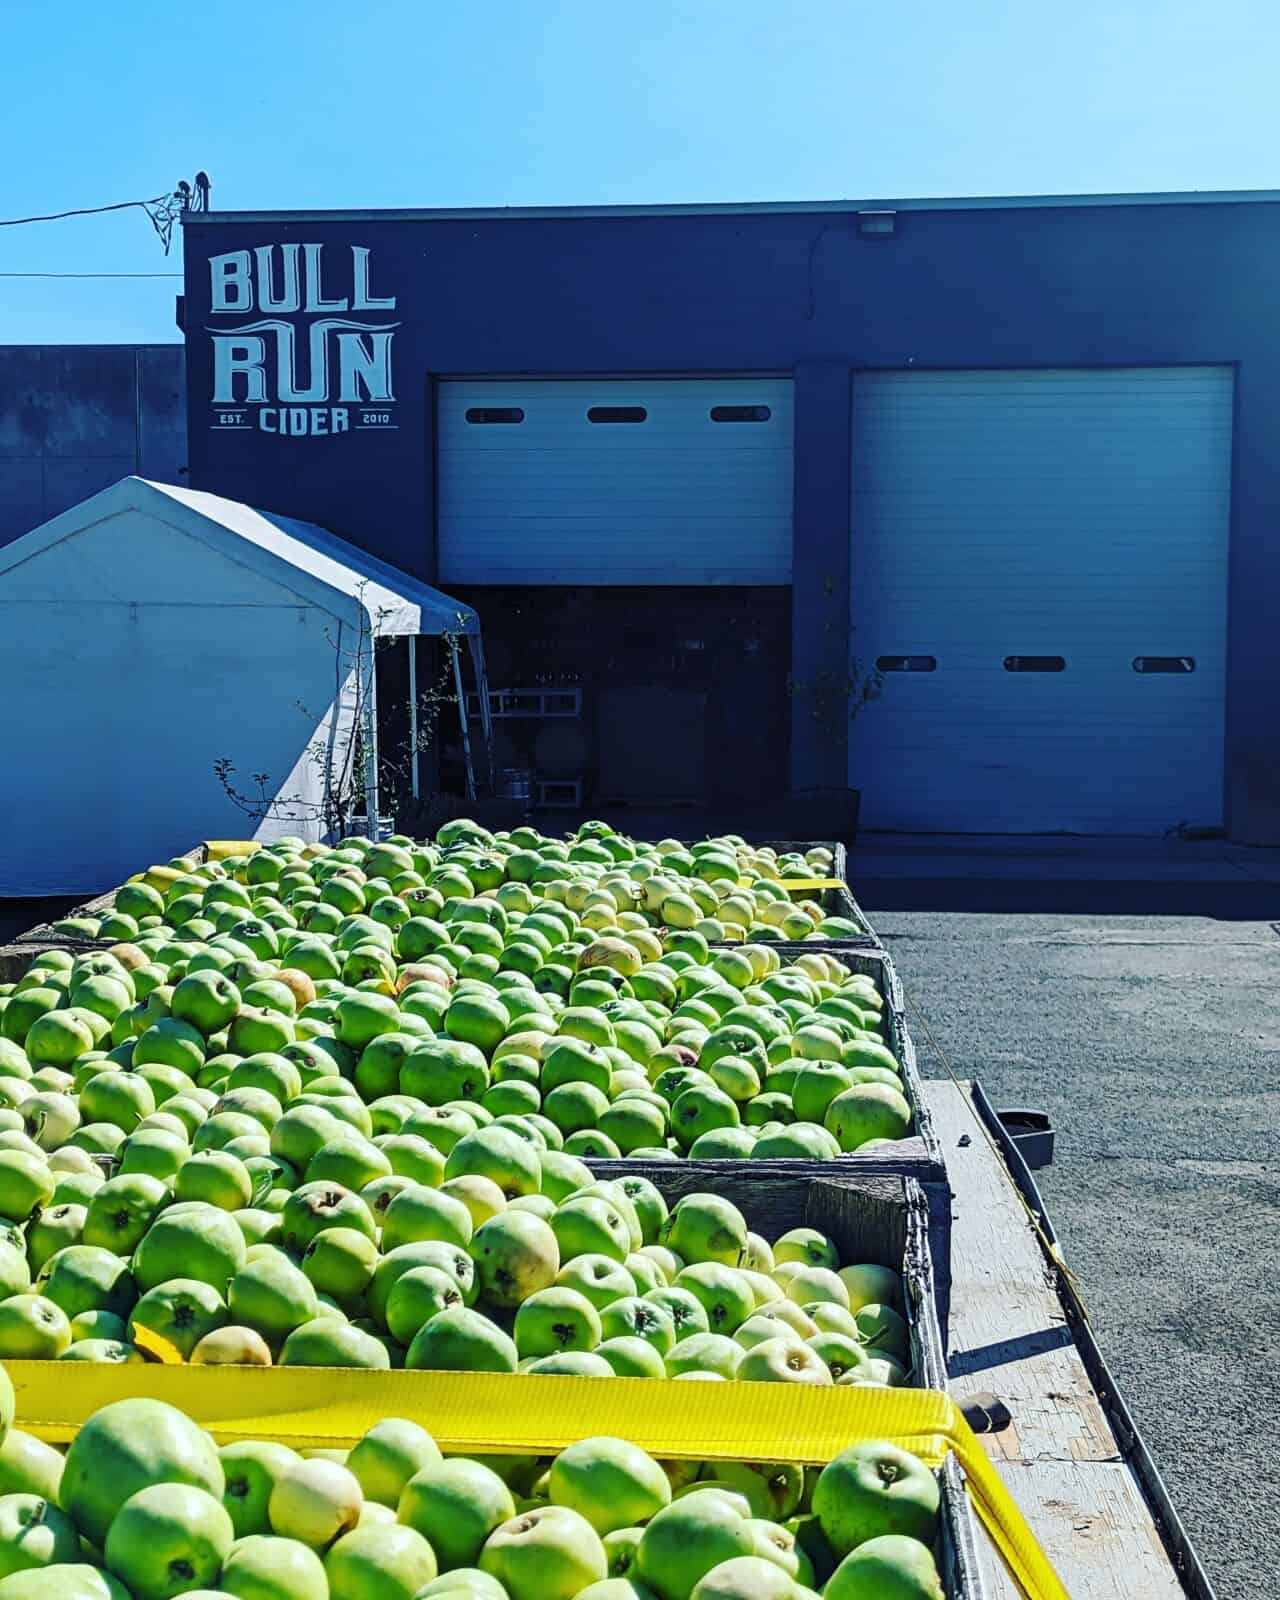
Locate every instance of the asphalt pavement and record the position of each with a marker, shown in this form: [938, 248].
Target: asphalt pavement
[1149, 1028]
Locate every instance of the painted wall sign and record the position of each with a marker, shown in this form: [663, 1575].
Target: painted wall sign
[304, 363]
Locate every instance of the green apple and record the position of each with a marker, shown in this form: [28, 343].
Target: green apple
[621, 1544]
[392, 1563]
[637, 1318]
[705, 1353]
[120, 1212]
[590, 1225]
[32, 1329]
[477, 1019]
[417, 1296]
[515, 1254]
[26, 1184]
[272, 1296]
[889, 1567]
[883, 1332]
[828, 1318]
[51, 1231]
[256, 1028]
[874, 1488]
[157, 1152]
[50, 1119]
[57, 1038]
[688, 1538]
[34, 1533]
[549, 1553]
[630, 1357]
[315, 1502]
[443, 1069]
[499, 1154]
[426, 1253]
[231, 1346]
[775, 1543]
[462, 1340]
[340, 1262]
[168, 1538]
[189, 1240]
[570, 1364]
[610, 1482]
[746, 1578]
[215, 1178]
[29, 1466]
[326, 1342]
[726, 1296]
[615, 1589]
[872, 1285]
[349, 1160]
[98, 1325]
[599, 1277]
[75, 1581]
[183, 1311]
[410, 1156]
[252, 1467]
[688, 1314]
[420, 1213]
[867, 1111]
[208, 1000]
[275, 1074]
[264, 1568]
[126, 1446]
[555, 1319]
[840, 1352]
[468, 1581]
[169, 1041]
[456, 1504]
[576, 1107]
[808, 1247]
[388, 1456]
[706, 1228]
[316, 1206]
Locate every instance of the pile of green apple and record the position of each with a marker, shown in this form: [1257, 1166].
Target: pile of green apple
[724, 888]
[495, 999]
[145, 1506]
[298, 1237]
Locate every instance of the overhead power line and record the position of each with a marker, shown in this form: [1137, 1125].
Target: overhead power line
[84, 211]
[162, 212]
[90, 274]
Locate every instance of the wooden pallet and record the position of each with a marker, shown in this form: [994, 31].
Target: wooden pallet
[1008, 1335]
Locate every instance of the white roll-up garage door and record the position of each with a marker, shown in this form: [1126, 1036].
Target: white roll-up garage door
[1040, 564]
[615, 481]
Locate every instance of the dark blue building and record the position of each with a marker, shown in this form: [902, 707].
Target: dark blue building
[967, 504]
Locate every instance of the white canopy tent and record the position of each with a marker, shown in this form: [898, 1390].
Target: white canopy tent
[152, 632]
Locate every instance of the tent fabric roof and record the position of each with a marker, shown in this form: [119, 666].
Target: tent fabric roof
[394, 602]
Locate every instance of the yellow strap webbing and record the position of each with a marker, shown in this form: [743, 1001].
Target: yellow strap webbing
[498, 1413]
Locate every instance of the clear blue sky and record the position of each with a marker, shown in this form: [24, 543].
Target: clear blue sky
[559, 102]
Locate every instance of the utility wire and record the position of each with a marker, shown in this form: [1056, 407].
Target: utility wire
[85, 211]
[90, 274]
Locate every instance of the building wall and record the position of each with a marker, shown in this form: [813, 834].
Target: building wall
[774, 291]
[75, 418]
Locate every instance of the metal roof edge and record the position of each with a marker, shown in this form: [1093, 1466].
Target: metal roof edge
[749, 208]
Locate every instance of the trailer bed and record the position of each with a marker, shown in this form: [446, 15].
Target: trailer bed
[1009, 1335]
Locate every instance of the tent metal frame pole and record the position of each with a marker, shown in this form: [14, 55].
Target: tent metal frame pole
[475, 644]
[413, 715]
[369, 717]
[462, 716]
